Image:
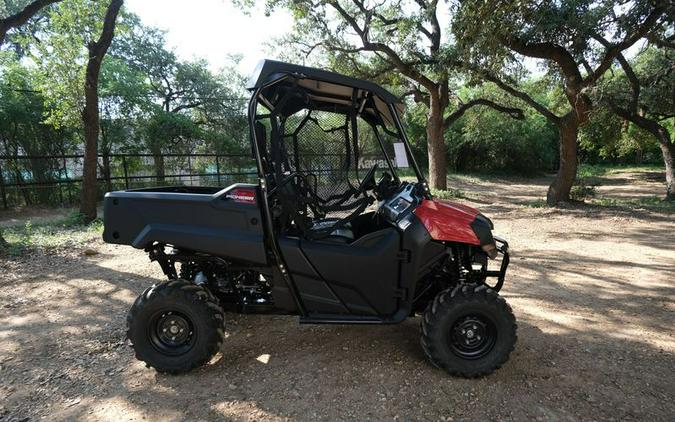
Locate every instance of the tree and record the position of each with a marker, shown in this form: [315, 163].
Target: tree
[124, 104]
[188, 100]
[562, 34]
[400, 43]
[22, 16]
[644, 96]
[23, 131]
[15, 20]
[90, 113]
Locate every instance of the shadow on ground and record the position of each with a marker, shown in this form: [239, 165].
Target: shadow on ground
[592, 290]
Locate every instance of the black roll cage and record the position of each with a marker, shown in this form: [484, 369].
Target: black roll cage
[262, 175]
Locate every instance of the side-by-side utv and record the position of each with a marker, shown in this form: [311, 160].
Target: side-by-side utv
[331, 232]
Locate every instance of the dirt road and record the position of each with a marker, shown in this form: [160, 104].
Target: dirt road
[592, 288]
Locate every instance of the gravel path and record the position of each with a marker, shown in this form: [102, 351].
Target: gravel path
[592, 290]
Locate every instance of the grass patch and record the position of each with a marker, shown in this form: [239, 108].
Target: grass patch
[537, 203]
[599, 170]
[653, 203]
[592, 170]
[65, 232]
[450, 194]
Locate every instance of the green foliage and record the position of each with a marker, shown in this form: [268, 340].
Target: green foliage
[151, 101]
[652, 203]
[450, 194]
[61, 56]
[591, 170]
[480, 26]
[489, 141]
[65, 233]
[610, 138]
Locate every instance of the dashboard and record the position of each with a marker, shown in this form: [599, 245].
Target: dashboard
[398, 208]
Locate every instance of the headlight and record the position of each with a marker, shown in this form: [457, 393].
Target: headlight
[491, 250]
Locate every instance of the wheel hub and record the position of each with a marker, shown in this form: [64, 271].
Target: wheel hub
[472, 337]
[173, 332]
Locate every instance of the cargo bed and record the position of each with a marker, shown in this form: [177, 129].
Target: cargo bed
[221, 222]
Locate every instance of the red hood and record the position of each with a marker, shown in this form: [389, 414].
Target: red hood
[458, 208]
[448, 221]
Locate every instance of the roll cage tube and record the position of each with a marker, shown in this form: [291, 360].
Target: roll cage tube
[262, 177]
[404, 138]
[264, 208]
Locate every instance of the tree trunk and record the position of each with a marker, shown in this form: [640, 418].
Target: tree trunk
[3, 242]
[568, 129]
[159, 165]
[25, 192]
[662, 136]
[90, 115]
[438, 162]
[668, 151]
[90, 121]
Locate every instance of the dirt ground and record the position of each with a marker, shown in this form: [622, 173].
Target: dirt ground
[592, 288]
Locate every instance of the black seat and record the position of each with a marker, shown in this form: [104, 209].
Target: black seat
[343, 234]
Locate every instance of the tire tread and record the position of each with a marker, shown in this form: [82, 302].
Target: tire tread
[460, 294]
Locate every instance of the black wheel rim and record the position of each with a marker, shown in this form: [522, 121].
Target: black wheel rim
[172, 332]
[472, 336]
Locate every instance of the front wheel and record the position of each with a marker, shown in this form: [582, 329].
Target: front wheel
[468, 331]
[175, 326]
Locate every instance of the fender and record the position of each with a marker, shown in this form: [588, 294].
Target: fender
[454, 222]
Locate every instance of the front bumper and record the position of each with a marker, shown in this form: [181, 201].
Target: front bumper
[502, 248]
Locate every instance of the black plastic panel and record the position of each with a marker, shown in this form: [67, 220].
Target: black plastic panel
[208, 223]
[422, 253]
[363, 274]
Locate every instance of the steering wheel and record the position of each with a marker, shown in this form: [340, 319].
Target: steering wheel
[368, 180]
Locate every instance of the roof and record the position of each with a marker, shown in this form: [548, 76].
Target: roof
[324, 87]
[270, 70]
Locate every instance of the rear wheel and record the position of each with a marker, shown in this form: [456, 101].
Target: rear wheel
[468, 331]
[175, 326]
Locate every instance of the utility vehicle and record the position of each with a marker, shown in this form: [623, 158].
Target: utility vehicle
[332, 232]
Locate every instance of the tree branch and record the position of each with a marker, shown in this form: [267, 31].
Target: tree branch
[515, 113]
[612, 50]
[662, 43]
[632, 79]
[523, 96]
[186, 106]
[98, 48]
[392, 56]
[22, 17]
[546, 50]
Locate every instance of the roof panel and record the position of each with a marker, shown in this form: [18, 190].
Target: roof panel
[270, 70]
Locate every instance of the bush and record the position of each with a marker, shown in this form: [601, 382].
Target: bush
[64, 233]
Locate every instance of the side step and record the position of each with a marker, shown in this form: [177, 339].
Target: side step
[341, 319]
